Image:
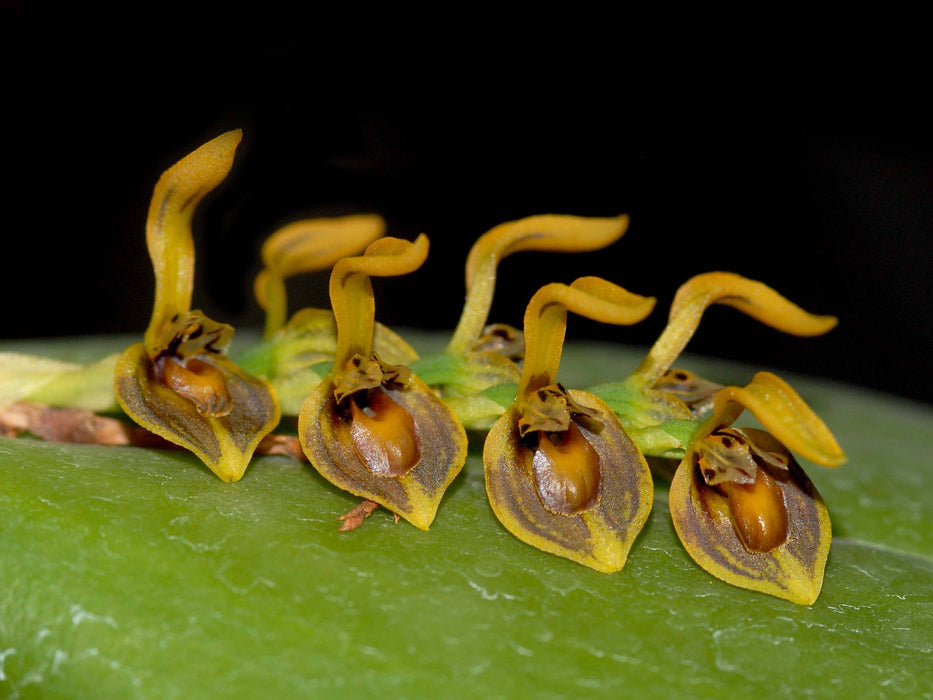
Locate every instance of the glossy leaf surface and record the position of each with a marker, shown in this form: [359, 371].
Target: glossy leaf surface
[136, 573]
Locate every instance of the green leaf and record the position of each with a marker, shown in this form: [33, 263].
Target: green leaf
[37, 379]
[132, 573]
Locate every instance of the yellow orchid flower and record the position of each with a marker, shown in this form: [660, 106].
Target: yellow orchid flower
[303, 246]
[661, 405]
[294, 355]
[742, 506]
[479, 355]
[561, 473]
[177, 382]
[370, 427]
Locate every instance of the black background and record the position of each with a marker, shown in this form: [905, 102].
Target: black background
[797, 185]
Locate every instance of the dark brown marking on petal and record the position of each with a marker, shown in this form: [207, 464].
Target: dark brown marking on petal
[163, 207]
[192, 200]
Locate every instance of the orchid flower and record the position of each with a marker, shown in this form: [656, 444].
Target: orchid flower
[295, 353]
[661, 405]
[373, 428]
[479, 368]
[178, 382]
[741, 504]
[561, 473]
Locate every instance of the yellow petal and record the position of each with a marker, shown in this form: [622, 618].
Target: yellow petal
[351, 291]
[753, 298]
[317, 244]
[304, 246]
[549, 232]
[168, 227]
[546, 321]
[748, 296]
[783, 413]
[546, 232]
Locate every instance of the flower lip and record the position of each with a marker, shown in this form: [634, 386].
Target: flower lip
[383, 433]
[749, 476]
[758, 511]
[198, 381]
[566, 468]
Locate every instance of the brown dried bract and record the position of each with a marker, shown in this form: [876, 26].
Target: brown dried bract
[354, 517]
[76, 425]
[73, 425]
[283, 445]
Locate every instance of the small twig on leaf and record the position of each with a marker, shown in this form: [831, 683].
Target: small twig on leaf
[353, 518]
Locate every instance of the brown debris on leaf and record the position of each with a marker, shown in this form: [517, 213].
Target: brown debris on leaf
[354, 517]
[75, 425]
[283, 445]
[81, 426]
